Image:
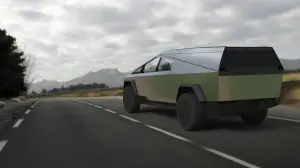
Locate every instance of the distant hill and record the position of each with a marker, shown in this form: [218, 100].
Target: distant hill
[47, 84]
[114, 78]
[290, 64]
[111, 77]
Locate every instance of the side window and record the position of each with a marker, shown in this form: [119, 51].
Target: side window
[164, 65]
[139, 70]
[151, 66]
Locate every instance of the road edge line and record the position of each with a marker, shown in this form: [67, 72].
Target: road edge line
[229, 157]
[129, 118]
[168, 133]
[110, 111]
[97, 106]
[284, 119]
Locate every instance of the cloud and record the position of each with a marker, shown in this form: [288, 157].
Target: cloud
[33, 15]
[72, 37]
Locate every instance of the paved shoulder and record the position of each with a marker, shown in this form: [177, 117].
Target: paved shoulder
[11, 111]
[284, 111]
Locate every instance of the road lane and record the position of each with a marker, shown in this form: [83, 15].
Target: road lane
[58, 133]
[275, 143]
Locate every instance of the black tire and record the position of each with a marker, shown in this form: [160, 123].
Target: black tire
[255, 118]
[190, 113]
[130, 100]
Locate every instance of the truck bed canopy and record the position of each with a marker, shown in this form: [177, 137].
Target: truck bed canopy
[225, 58]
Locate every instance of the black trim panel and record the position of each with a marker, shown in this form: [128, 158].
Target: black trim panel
[250, 71]
[132, 82]
[160, 104]
[223, 108]
[238, 107]
[197, 90]
[142, 99]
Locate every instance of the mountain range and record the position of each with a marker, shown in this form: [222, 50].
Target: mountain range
[111, 77]
[114, 78]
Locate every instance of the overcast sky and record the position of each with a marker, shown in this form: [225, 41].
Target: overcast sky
[69, 38]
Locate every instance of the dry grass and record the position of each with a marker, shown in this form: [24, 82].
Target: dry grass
[291, 76]
[290, 91]
[118, 92]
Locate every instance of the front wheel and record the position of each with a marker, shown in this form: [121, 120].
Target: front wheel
[130, 100]
[256, 117]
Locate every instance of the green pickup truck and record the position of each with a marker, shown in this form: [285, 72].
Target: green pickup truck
[204, 81]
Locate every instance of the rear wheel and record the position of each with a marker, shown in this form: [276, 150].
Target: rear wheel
[130, 100]
[256, 117]
[190, 113]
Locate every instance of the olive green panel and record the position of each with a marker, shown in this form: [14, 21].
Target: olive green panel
[249, 87]
[165, 87]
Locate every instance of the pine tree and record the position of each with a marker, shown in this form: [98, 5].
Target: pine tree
[12, 70]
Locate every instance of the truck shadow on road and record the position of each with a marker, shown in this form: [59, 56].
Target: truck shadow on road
[234, 123]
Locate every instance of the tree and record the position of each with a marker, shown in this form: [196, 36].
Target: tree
[44, 91]
[29, 63]
[79, 86]
[12, 68]
[33, 93]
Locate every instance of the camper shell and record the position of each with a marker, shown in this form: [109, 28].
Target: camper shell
[224, 80]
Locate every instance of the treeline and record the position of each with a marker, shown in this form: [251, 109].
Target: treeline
[74, 88]
[292, 71]
[12, 67]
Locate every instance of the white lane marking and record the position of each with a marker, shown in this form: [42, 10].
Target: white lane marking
[169, 133]
[17, 124]
[87, 103]
[97, 106]
[27, 112]
[79, 101]
[285, 119]
[32, 106]
[129, 118]
[234, 159]
[110, 111]
[2, 144]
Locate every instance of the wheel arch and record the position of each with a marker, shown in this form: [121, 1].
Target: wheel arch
[130, 83]
[191, 88]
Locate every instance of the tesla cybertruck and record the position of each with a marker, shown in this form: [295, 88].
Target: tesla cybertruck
[203, 81]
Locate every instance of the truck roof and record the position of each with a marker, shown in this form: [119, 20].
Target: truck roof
[209, 57]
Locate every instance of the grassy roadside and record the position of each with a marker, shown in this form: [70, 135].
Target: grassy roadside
[290, 91]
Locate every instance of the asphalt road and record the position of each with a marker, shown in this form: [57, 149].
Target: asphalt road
[91, 133]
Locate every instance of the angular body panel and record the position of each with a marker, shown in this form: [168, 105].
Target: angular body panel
[243, 87]
[163, 86]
